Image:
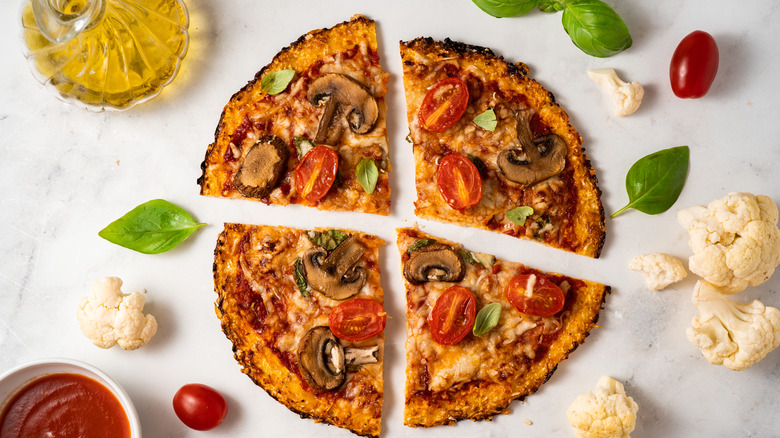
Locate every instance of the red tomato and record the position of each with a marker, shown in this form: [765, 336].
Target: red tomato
[200, 407]
[444, 105]
[459, 181]
[545, 299]
[452, 317]
[358, 319]
[316, 173]
[694, 65]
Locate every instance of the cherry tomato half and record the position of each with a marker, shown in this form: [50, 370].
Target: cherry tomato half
[694, 65]
[452, 317]
[544, 299]
[357, 319]
[200, 407]
[444, 105]
[316, 173]
[459, 181]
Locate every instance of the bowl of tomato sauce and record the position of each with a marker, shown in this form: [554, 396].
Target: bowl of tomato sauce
[64, 398]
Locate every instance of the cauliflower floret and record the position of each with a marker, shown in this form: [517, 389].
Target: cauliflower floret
[660, 270]
[735, 335]
[735, 240]
[108, 317]
[605, 412]
[626, 96]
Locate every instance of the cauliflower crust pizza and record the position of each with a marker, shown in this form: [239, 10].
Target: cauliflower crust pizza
[483, 332]
[319, 139]
[304, 312]
[489, 140]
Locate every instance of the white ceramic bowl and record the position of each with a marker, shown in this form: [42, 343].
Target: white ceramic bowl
[16, 378]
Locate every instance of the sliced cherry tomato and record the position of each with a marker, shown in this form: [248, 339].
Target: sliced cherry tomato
[459, 181]
[694, 65]
[357, 319]
[444, 105]
[452, 317]
[200, 407]
[534, 295]
[316, 173]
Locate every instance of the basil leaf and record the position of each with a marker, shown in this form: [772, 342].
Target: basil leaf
[487, 120]
[519, 214]
[151, 228]
[300, 279]
[276, 81]
[328, 239]
[655, 181]
[487, 318]
[367, 174]
[481, 167]
[419, 244]
[303, 145]
[550, 6]
[506, 8]
[595, 28]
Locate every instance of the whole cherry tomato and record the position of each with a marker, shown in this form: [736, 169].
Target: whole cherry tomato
[357, 319]
[545, 298]
[452, 317]
[459, 181]
[694, 65]
[316, 173]
[444, 105]
[200, 407]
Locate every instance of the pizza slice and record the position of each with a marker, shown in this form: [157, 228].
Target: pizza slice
[483, 332]
[309, 128]
[494, 151]
[304, 312]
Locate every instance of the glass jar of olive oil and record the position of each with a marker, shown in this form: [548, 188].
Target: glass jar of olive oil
[105, 54]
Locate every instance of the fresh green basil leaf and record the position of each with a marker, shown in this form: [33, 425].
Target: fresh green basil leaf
[486, 319]
[151, 228]
[551, 6]
[327, 239]
[367, 174]
[276, 81]
[519, 214]
[303, 145]
[487, 120]
[595, 28]
[506, 8]
[655, 181]
[419, 244]
[300, 279]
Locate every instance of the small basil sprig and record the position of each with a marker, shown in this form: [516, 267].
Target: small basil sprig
[595, 28]
[151, 228]
[518, 215]
[276, 81]
[655, 181]
[487, 120]
[486, 319]
[300, 279]
[506, 8]
[327, 239]
[367, 174]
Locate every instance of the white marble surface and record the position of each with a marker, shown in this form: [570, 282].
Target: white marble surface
[66, 173]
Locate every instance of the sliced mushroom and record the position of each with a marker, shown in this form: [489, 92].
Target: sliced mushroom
[346, 100]
[361, 355]
[435, 262]
[321, 359]
[539, 159]
[262, 167]
[335, 275]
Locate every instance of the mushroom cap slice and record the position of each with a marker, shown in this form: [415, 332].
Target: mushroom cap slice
[262, 167]
[345, 99]
[321, 359]
[544, 158]
[335, 275]
[435, 262]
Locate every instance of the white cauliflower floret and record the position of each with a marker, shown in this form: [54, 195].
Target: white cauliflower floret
[626, 96]
[735, 335]
[605, 412]
[108, 317]
[735, 240]
[660, 270]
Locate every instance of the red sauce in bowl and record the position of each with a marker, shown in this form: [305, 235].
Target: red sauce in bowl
[64, 405]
